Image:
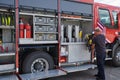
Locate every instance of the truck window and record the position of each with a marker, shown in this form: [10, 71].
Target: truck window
[104, 17]
[114, 13]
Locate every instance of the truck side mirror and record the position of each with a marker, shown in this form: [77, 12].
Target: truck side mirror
[118, 16]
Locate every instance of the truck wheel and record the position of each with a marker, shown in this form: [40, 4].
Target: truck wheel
[37, 62]
[116, 57]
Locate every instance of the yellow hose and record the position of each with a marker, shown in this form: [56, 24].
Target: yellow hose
[9, 20]
[6, 22]
[3, 21]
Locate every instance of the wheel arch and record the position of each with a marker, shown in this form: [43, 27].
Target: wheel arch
[116, 44]
[115, 50]
[28, 54]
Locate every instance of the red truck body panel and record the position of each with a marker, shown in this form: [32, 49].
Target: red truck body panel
[86, 1]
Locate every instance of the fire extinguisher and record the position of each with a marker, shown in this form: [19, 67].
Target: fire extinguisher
[21, 26]
[27, 31]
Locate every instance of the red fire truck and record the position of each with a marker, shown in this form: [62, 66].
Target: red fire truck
[47, 38]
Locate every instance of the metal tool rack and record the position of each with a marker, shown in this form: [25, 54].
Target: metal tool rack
[44, 29]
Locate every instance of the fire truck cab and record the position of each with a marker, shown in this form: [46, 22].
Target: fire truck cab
[108, 16]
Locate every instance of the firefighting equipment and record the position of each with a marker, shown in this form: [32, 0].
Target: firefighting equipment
[21, 26]
[88, 39]
[80, 34]
[2, 19]
[6, 19]
[28, 30]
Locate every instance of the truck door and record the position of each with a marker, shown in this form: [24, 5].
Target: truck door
[107, 16]
[111, 27]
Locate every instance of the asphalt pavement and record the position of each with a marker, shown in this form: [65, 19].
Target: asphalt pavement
[112, 73]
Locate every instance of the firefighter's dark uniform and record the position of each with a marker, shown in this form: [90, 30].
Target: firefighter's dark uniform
[99, 42]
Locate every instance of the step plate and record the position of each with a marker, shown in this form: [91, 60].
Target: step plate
[8, 77]
[42, 75]
[6, 67]
[7, 54]
[79, 68]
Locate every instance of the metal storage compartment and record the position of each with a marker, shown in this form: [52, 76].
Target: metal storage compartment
[8, 47]
[51, 20]
[51, 28]
[39, 37]
[45, 28]
[78, 52]
[50, 37]
[40, 28]
[45, 37]
[41, 20]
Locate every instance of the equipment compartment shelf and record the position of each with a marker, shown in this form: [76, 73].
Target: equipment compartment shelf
[47, 32]
[6, 27]
[72, 43]
[44, 24]
[31, 41]
[7, 54]
[82, 19]
[4, 67]
[37, 15]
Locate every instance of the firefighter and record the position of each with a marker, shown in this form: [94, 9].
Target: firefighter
[98, 47]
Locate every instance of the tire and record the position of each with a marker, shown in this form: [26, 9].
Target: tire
[37, 62]
[116, 57]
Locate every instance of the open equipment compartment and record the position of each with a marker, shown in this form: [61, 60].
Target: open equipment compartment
[75, 26]
[43, 27]
[73, 34]
[7, 41]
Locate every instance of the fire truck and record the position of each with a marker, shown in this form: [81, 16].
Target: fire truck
[40, 39]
